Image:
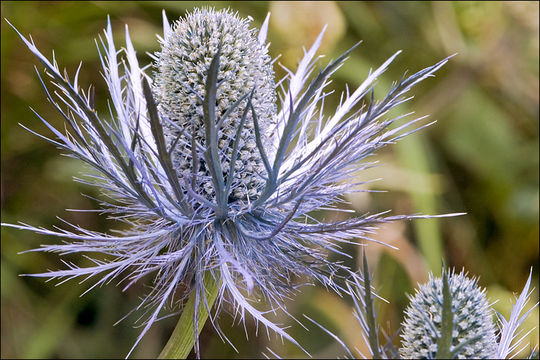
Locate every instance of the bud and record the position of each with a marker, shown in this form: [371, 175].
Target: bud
[182, 67]
[473, 334]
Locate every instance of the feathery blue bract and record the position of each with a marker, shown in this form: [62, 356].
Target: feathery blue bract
[508, 329]
[257, 238]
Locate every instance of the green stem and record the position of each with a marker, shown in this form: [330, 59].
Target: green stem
[182, 339]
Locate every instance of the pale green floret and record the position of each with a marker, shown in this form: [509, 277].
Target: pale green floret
[472, 318]
[244, 65]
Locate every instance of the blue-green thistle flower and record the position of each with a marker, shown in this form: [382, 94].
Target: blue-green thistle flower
[473, 331]
[465, 330]
[474, 334]
[211, 173]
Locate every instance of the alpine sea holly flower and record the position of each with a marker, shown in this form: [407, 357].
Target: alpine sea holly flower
[472, 332]
[473, 329]
[448, 317]
[216, 169]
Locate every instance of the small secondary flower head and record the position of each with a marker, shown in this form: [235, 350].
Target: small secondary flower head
[473, 331]
[212, 176]
[448, 317]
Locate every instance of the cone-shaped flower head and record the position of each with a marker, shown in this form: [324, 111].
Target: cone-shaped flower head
[473, 334]
[180, 84]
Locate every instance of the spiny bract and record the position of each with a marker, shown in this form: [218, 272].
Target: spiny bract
[473, 330]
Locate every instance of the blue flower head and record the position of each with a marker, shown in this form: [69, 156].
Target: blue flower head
[449, 317]
[215, 168]
[473, 330]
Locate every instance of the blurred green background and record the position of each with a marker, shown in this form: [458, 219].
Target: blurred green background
[481, 157]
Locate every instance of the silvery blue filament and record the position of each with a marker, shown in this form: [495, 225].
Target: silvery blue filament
[215, 168]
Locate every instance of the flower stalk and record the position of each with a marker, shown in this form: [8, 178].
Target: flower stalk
[182, 339]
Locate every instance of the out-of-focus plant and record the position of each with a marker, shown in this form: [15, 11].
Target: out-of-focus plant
[449, 317]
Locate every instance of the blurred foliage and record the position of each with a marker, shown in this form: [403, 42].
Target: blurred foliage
[480, 158]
